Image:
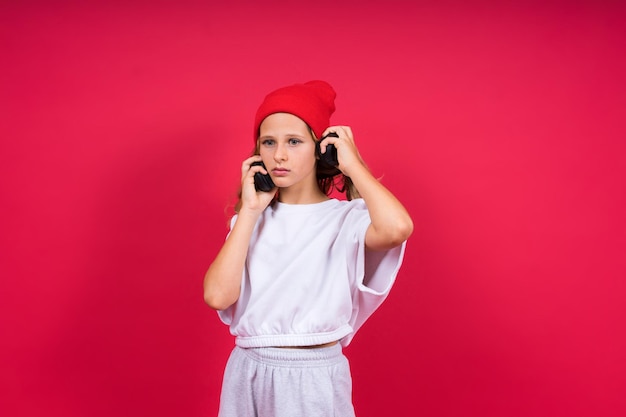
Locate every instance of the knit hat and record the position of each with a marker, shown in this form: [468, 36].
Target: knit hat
[313, 102]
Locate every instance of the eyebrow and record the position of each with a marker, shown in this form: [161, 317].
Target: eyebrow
[298, 135]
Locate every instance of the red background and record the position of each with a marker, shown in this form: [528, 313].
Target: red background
[502, 128]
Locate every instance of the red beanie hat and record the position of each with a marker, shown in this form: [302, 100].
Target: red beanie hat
[312, 102]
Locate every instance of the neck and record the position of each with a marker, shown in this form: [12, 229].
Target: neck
[292, 195]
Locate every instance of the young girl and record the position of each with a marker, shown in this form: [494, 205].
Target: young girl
[299, 272]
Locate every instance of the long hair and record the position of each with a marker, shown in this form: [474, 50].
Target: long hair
[329, 179]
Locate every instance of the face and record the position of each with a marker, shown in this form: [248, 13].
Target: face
[288, 151]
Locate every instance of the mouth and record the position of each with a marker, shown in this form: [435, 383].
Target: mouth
[280, 172]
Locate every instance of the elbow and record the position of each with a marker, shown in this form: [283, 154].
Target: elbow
[407, 228]
[389, 236]
[219, 293]
[218, 300]
[401, 232]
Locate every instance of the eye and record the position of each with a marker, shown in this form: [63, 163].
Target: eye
[267, 142]
[294, 141]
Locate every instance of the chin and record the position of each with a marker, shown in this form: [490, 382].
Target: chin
[280, 184]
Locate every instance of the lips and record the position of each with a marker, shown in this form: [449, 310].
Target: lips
[280, 172]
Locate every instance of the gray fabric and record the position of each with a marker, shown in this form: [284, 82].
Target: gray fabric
[279, 382]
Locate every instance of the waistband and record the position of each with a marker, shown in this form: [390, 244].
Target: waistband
[295, 357]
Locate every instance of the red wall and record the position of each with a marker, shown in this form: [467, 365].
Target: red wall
[501, 128]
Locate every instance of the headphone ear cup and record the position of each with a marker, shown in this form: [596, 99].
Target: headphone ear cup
[262, 182]
[329, 158]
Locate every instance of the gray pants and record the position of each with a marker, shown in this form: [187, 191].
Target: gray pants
[278, 382]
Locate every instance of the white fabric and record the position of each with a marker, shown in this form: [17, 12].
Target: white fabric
[308, 279]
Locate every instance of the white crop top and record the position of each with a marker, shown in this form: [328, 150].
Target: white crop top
[308, 279]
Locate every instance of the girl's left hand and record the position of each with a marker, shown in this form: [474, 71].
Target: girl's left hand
[347, 152]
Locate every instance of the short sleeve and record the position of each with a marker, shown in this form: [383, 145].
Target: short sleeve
[374, 275]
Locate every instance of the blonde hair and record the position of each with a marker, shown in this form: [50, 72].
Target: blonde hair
[328, 180]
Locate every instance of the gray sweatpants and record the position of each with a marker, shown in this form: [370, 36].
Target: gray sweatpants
[278, 382]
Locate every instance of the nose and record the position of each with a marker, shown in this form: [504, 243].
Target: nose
[280, 154]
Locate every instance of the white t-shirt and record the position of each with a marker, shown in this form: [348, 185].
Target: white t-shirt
[308, 279]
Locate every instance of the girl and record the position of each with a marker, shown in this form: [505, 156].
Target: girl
[300, 272]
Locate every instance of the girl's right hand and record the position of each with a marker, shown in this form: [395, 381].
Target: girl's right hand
[251, 199]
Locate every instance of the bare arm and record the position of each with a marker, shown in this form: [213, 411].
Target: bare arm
[390, 222]
[222, 281]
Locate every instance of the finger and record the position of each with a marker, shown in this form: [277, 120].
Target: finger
[344, 132]
[348, 131]
[339, 130]
[327, 140]
[246, 165]
[254, 169]
[250, 160]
